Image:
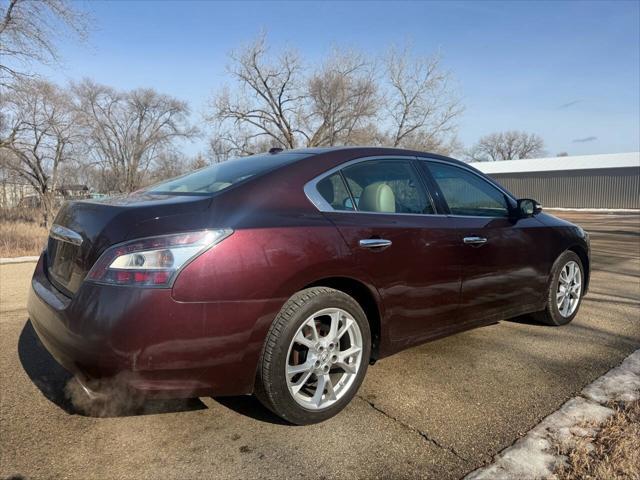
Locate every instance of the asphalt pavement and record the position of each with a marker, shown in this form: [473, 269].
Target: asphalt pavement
[435, 411]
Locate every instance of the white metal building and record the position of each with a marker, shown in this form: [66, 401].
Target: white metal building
[588, 181]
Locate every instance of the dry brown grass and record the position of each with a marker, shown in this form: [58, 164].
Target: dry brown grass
[19, 238]
[613, 454]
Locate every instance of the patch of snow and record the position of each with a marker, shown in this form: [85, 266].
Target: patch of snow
[4, 261]
[535, 456]
[620, 384]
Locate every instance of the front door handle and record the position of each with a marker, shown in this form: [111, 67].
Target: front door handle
[379, 243]
[474, 240]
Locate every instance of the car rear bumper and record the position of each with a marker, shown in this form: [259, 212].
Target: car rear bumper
[155, 344]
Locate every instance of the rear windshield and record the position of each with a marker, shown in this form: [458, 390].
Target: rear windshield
[217, 177]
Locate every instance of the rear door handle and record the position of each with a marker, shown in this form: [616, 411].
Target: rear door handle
[474, 240]
[380, 243]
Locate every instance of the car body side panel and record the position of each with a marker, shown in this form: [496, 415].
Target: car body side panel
[561, 235]
[418, 276]
[281, 261]
[256, 264]
[508, 273]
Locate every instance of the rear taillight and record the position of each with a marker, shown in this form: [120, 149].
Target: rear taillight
[153, 261]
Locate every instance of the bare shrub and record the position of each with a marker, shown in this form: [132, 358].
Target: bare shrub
[613, 454]
[21, 238]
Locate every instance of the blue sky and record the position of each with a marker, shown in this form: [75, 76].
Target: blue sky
[569, 71]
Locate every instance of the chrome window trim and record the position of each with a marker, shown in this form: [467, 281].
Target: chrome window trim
[312, 193]
[64, 234]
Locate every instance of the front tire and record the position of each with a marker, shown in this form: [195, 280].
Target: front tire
[565, 291]
[315, 356]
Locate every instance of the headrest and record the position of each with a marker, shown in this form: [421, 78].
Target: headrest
[377, 197]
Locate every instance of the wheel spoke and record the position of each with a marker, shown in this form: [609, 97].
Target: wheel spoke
[333, 329]
[346, 367]
[317, 396]
[564, 279]
[331, 394]
[295, 369]
[562, 302]
[302, 340]
[301, 382]
[572, 272]
[314, 329]
[343, 359]
[345, 326]
[348, 353]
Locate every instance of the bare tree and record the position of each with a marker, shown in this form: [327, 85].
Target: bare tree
[420, 103]
[342, 97]
[231, 139]
[269, 101]
[38, 132]
[511, 145]
[29, 32]
[169, 164]
[280, 102]
[128, 130]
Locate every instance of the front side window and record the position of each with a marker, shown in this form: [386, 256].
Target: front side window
[387, 186]
[468, 194]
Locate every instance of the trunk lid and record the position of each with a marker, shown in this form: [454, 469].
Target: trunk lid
[83, 230]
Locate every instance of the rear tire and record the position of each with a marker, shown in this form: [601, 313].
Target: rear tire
[315, 356]
[564, 294]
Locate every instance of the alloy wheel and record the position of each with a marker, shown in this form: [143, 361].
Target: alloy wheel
[324, 358]
[569, 289]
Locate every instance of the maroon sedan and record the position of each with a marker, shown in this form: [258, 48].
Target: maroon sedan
[287, 274]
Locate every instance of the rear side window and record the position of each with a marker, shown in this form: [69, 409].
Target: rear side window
[335, 192]
[468, 194]
[387, 186]
[223, 175]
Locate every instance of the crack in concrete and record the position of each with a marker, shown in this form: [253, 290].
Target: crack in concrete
[424, 435]
[536, 454]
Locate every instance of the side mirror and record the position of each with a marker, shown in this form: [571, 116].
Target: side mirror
[528, 208]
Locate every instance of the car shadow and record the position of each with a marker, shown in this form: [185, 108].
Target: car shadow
[43, 370]
[250, 406]
[51, 379]
[526, 320]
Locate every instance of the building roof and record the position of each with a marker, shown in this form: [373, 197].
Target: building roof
[578, 162]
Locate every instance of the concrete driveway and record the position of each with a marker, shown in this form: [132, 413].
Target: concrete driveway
[435, 411]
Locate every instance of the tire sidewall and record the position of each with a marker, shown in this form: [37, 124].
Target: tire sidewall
[552, 306]
[287, 406]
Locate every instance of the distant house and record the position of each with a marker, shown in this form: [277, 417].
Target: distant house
[18, 193]
[13, 191]
[610, 181]
[69, 192]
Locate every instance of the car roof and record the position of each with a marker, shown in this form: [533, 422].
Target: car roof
[355, 151]
[363, 148]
